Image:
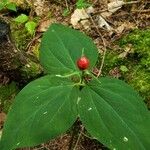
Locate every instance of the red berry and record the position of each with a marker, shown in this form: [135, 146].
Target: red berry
[83, 63]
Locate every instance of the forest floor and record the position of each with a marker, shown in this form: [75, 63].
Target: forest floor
[121, 31]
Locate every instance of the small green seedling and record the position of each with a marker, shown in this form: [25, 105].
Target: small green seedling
[66, 12]
[29, 25]
[124, 68]
[82, 4]
[110, 110]
[6, 4]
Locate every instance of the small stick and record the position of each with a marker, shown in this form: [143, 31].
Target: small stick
[104, 44]
[87, 136]
[141, 11]
[79, 137]
[74, 134]
[102, 62]
[132, 2]
[32, 41]
[67, 4]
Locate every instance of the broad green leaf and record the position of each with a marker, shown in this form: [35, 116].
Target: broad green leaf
[44, 109]
[11, 6]
[114, 114]
[5, 1]
[61, 47]
[30, 26]
[22, 18]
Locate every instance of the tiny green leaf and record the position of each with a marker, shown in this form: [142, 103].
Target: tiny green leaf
[30, 26]
[114, 114]
[123, 68]
[22, 18]
[82, 4]
[66, 12]
[11, 6]
[44, 109]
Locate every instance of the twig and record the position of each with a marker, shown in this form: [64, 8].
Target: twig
[102, 62]
[79, 137]
[141, 11]
[104, 44]
[32, 41]
[86, 136]
[99, 12]
[74, 133]
[132, 2]
[67, 4]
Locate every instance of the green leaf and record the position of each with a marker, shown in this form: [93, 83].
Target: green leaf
[66, 12]
[124, 68]
[61, 47]
[44, 109]
[22, 18]
[114, 114]
[30, 26]
[2, 6]
[11, 6]
[5, 1]
[82, 4]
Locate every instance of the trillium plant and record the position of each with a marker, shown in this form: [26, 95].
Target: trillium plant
[109, 109]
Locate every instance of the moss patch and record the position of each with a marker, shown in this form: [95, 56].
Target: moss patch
[21, 38]
[140, 44]
[31, 70]
[133, 61]
[20, 35]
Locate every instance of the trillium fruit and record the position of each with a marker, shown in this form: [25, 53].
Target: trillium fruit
[83, 63]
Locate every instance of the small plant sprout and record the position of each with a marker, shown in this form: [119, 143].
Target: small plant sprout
[109, 109]
[82, 4]
[30, 25]
[6, 4]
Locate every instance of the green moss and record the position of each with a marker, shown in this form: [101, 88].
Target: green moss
[20, 35]
[136, 61]
[22, 38]
[35, 50]
[31, 70]
[111, 61]
[140, 43]
[140, 80]
[7, 94]
[139, 76]
[139, 38]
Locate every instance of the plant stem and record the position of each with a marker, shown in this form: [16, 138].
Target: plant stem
[104, 45]
[82, 79]
[75, 129]
[67, 75]
[67, 6]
